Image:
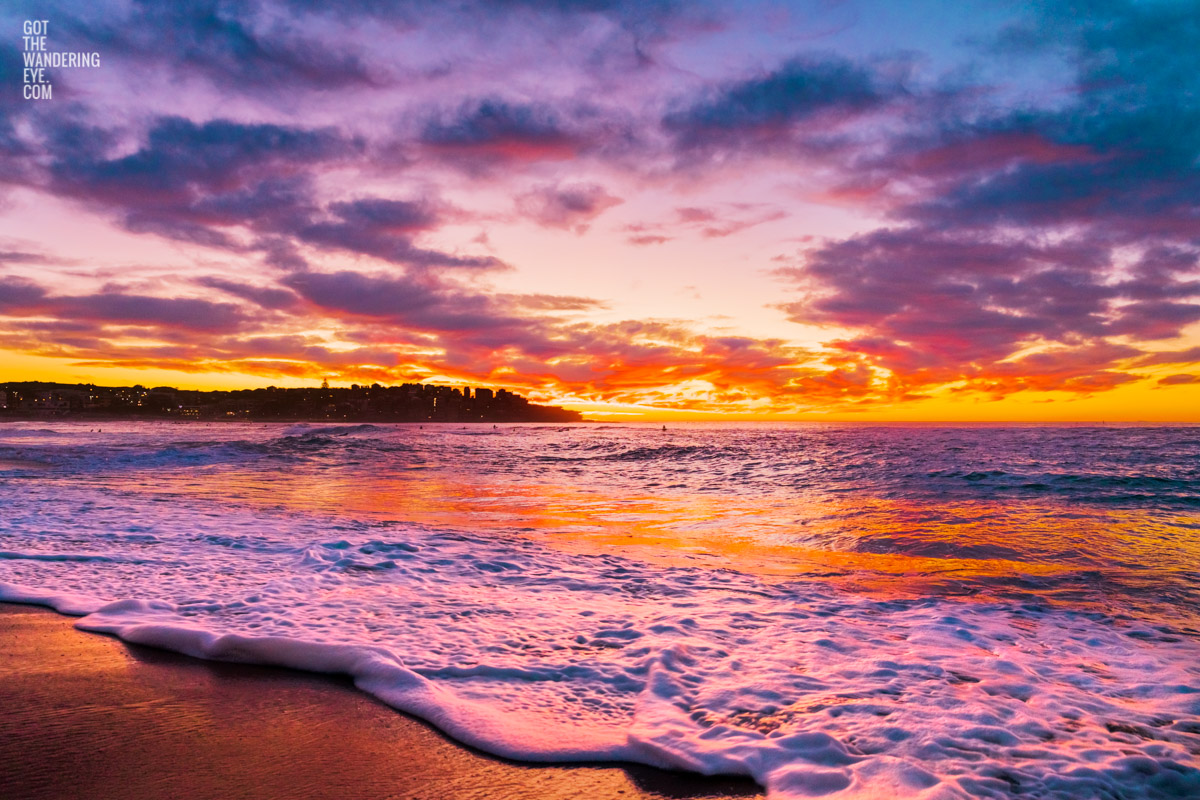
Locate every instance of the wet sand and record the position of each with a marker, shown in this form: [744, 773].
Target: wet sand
[84, 715]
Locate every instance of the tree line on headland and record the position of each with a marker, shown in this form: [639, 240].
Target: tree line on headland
[410, 402]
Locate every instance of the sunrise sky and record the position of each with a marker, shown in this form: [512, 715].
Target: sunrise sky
[642, 209]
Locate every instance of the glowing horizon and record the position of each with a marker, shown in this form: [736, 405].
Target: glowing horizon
[654, 211]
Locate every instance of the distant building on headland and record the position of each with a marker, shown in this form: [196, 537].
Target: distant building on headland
[410, 402]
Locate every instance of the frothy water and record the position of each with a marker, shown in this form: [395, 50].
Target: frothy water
[834, 611]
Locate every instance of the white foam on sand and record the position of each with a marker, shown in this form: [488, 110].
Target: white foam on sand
[537, 654]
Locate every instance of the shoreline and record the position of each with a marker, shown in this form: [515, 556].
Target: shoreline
[649, 423]
[88, 715]
[291, 421]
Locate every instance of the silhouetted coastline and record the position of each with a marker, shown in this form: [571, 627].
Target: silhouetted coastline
[409, 402]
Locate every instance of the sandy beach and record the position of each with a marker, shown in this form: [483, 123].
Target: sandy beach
[89, 716]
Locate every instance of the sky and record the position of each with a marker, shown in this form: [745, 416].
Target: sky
[641, 209]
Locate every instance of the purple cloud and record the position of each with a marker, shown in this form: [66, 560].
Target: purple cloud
[570, 206]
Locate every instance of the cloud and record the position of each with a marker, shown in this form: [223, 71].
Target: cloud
[1179, 380]
[195, 181]
[1021, 235]
[206, 182]
[1025, 240]
[550, 302]
[355, 293]
[487, 131]
[180, 154]
[570, 206]
[23, 257]
[717, 224]
[19, 293]
[245, 47]
[1083, 369]
[646, 19]
[766, 110]
[710, 222]
[412, 302]
[174, 312]
[383, 228]
[1120, 150]
[408, 327]
[936, 307]
[1189, 356]
[263, 296]
[22, 298]
[642, 239]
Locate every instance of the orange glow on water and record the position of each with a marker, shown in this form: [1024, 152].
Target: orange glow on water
[899, 546]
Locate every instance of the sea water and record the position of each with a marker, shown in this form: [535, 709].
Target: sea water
[842, 611]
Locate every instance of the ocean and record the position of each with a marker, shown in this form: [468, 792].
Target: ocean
[832, 610]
